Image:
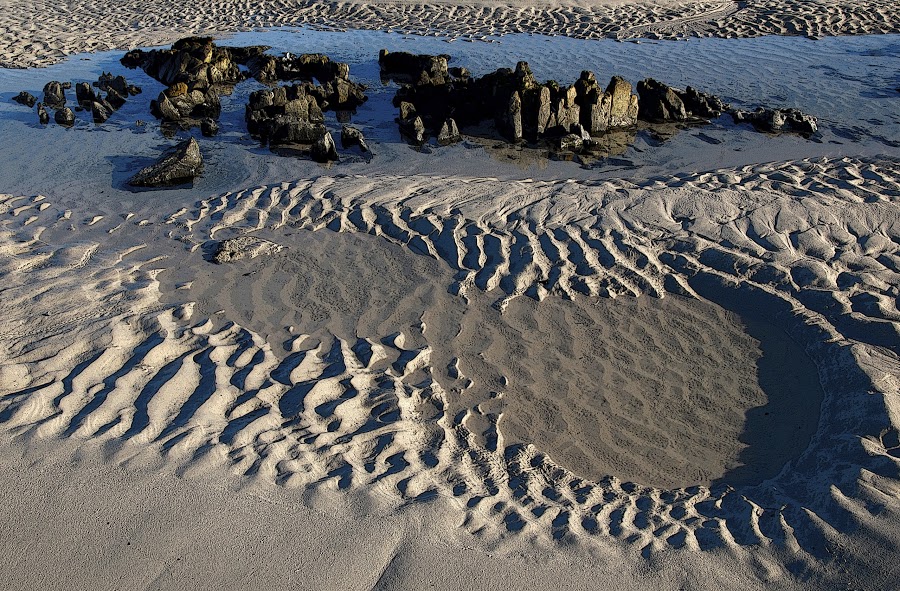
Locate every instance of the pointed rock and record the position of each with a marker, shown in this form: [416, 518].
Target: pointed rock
[324, 149]
[179, 164]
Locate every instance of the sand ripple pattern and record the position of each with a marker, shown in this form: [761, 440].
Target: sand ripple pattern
[41, 32]
[369, 415]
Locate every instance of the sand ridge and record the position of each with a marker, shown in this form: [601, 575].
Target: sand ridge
[42, 33]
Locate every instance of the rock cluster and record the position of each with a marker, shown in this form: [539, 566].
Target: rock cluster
[777, 120]
[437, 98]
[177, 165]
[117, 91]
[196, 72]
[54, 94]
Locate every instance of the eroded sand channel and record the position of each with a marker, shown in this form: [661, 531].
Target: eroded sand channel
[668, 392]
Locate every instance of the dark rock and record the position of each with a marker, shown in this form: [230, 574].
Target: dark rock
[176, 104]
[350, 136]
[285, 114]
[54, 95]
[623, 109]
[134, 90]
[64, 117]
[193, 60]
[419, 70]
[324, 150]
[25, 98]
[209, 127]
[107, 81]
[101, 111]
[449, 133]
[415, 130]
[659, 103]
[177, 165]
[411, 124]
[601, 110]
[512, 118]
[115, 99]
[778, 120]
[662, 103]
[285, 130]
[701, 104]
[43, 116]
[84, 94]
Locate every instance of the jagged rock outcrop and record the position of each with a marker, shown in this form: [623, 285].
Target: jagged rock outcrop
[285, 114]
[662, 103]
[101, 110]
[176, 104]
[25, 98]
[335, 90]
[411, 123]
[602, 110]
[196, 61]
[43, 116]
[520, 106]
[177, 165]
[778, 120]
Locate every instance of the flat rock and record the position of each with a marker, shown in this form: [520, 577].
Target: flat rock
[243, 247]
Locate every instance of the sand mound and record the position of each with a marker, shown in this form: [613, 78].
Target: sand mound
[41, 33]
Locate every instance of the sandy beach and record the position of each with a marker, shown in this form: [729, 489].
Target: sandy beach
[675, 366]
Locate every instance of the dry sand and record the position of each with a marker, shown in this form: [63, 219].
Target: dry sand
[454, 382]
[40, 33]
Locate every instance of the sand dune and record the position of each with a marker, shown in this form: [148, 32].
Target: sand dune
[107, 340]
[41, 33]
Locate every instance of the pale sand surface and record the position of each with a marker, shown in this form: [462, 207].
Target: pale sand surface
[95, 352]
[449, 381]
[40, 32]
